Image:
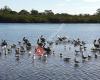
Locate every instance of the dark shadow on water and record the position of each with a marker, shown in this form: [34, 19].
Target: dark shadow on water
[76, 65]
[17, 59]
[0, 54]
[43, 59]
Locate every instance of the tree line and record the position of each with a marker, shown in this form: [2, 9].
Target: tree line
[7, 15]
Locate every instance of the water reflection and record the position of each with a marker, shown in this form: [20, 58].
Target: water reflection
[17, 58]
[76, 65]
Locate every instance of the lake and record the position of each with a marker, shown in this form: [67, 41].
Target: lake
[14, 32]
[54, 68]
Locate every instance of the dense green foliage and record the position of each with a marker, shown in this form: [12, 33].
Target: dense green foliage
[9, 16]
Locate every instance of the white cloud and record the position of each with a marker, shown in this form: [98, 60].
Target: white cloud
[91, 0]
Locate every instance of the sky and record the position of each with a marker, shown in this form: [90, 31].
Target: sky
[57, 6]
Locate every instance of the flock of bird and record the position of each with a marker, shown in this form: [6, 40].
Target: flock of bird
[25, 45]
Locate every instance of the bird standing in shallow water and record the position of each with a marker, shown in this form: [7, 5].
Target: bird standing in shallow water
[89, 57]
[76, 61]
[83, 57]
[96, 55]
[60, 55]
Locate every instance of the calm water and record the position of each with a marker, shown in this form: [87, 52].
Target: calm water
[25, 68]
[14, 32]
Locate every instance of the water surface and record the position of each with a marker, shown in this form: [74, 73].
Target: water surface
[54, 68]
